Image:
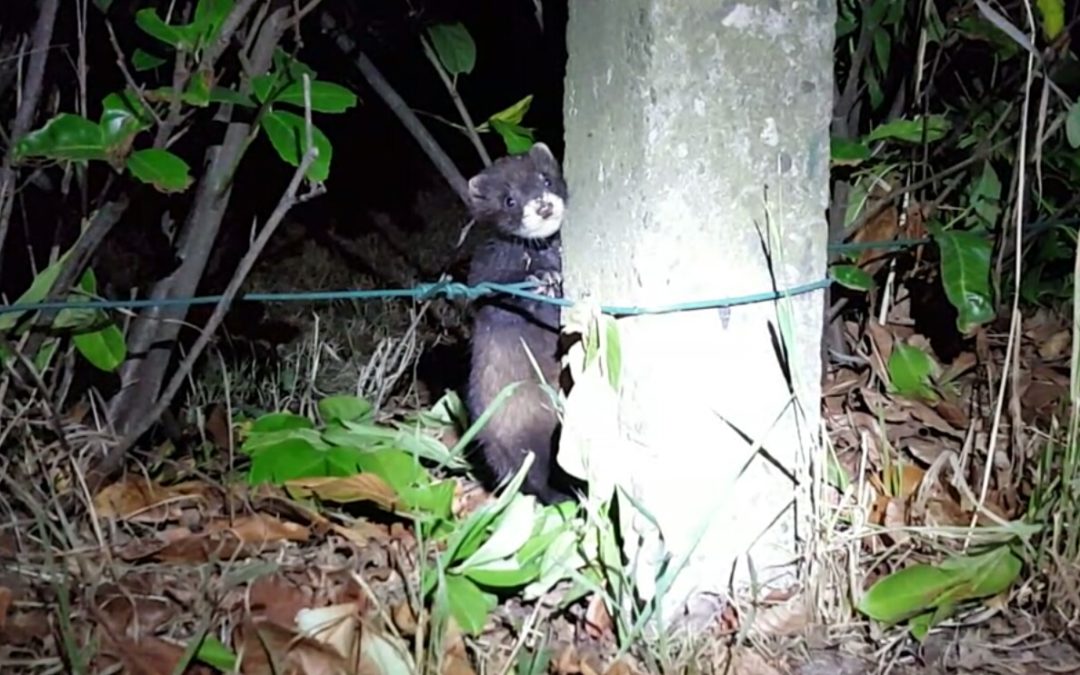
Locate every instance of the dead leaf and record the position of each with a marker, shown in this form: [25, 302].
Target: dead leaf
[5, 604]
[598, 622]
[218, 428]
[355, 488]
[260, 529]
[277, 599]
[271, 648]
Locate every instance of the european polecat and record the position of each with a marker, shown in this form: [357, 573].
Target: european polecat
[523, 198]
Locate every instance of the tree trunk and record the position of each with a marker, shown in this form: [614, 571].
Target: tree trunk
[697, 138]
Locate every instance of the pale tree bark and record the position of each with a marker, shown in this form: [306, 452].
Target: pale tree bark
[697, 137]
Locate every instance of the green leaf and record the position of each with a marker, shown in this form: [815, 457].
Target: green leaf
[518, 139]
[226, 95]
[846, 152]
[280, 421]
[853, 277]
[454, 46]
[512, 530]
[286, 132]
[469, 605]
[65, 136]
[175, 36]
[1072, 125]
[515, 113]
[122, 116]
[911, 131]
[37, 291]
[326, 97]
[613, 362]
[209, 16]
[905, 593]
[143, 60]
[297, 457]
[985, 195]
[965, 275]
[82, 320]
[910, 369]
[1053, 17]
[44, 356]
[161, 169]
[213, 653]
[104, 349]
[344, 408]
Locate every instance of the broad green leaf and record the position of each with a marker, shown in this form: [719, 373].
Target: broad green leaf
[399, 469]
[846, 152]
[280, 421]
[65, 136]
[853, 277]
[905, 593]
[910, 369]
[344, 408]
[454, 46]
[257, 442]
[1072, 125]
[263, 85]
[988, 573]
[175, 36]
[518, 139]
[197, 92]
[82, 319]
[469, 605]
[911, 131]
[298, 458]
[104, 349]
[226, 95]
[965, 275]
[1052, 13]
[161, 169]
[882, 48]
[284, 62]
[143, 60]
[515, 113]
[122, 116]
[286, 132]
[326, 97]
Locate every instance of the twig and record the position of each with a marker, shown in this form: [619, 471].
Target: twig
[289, 199]
[127, 74]
[458, 103]
[400, 108]
[24, 116]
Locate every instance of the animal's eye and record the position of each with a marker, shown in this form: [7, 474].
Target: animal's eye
[547, 180]
[510, 202]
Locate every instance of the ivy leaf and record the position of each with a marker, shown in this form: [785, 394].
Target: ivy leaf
[454, 46]
[161, 169]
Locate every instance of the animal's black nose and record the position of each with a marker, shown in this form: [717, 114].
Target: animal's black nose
[545, 209]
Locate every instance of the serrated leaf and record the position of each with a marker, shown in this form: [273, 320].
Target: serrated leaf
[326, 97]
[1072, 125]
[161, 169]
[911, 131]
[965, 275]
[65, 136]
[454, 46]
[286, 133]
[910, 369]
[143, 60]
[853, 277]
[153, 25]
[847, 152]
[104, 349]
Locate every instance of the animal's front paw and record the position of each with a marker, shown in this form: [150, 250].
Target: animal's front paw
[548, 283]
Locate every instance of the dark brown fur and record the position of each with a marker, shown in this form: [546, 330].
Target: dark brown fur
[505, 196]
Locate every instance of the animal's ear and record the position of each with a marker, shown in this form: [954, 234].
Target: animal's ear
[478, 185]
[542, 152]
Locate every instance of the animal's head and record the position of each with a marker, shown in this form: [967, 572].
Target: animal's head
[522, 195]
